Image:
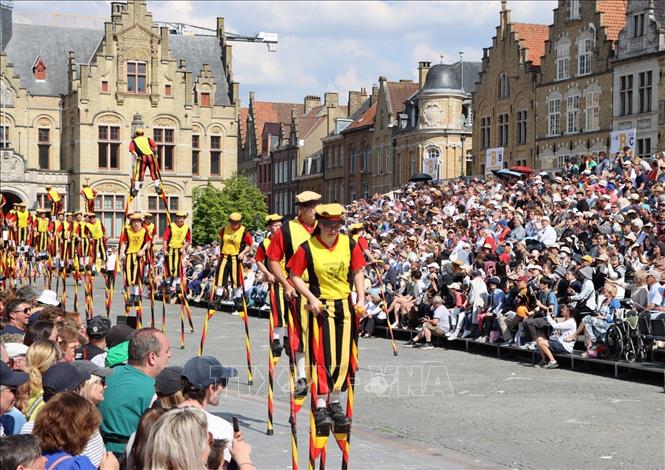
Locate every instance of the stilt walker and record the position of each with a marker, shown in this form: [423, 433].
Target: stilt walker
[96, 234]
[283, 244]
[133, 245]
[177, 237]
[277, 308]
[150, 263]
[56, 200]
[89, 196]
[334, 263]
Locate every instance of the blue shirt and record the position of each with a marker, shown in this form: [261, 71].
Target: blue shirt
[79, 462]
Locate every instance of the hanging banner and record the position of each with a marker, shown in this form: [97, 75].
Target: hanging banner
[493, 159]
[621, 139]
[431, 166]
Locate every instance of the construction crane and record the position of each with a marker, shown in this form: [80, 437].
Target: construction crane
[270, 39]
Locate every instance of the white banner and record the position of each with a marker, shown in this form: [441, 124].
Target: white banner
[621, 139]
[493, 159]
[431, 166]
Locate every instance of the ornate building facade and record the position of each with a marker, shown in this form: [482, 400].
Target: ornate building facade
[72, 106]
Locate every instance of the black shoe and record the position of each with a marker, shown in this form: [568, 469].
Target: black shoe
[276, 348]
[287, 346]
[300, 388]
[342, 422]
[323, 421]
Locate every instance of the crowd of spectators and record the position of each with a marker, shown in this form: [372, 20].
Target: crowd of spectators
[86, 395]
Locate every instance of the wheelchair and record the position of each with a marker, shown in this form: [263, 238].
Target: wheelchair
[624, 340]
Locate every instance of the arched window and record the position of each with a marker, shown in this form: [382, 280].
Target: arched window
[433, 152]
[504, 86]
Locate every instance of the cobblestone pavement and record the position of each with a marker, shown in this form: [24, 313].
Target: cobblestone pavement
[439, 408]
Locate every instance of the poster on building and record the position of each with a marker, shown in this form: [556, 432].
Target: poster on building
[621, 139]
[431, 166]
[493, 159]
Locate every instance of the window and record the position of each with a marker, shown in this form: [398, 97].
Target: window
[108, 145]
[504, 86]
[562, 61]
[644, 91]
[592, 111]
[412, 165]
[572, 113]
[433, 152]
[366, 157]
[165, 148]
[168, 91]
[389, 161]
[626, 95]
[352, 160]
[574, 9]
[521, 127]
[584, 48]
[105, 86]
[215, 155]
[661, 112]
[554, 116]
[39, 69]
[44, 146]
[638, 25]
[4, 137]
[644, 147]
[352, 190]
[195, 153]
[485, 132]
[43, 202]
[379, 162]
[157, 207]
[136, 77]
[205, 99]
[503, 129]
[365, 190]
[110, 209]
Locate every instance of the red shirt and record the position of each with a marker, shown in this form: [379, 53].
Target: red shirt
[276, 249]
[260, 255]
[298, 263]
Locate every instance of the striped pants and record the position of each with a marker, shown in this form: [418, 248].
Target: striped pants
[98, 251]
[146, 161]
[133, 269]
[229, 272]
[331, 337]
[172, 264]
[277, 305]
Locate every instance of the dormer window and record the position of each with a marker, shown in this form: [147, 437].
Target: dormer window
[638, 25]
[39, 69]
[205, 100]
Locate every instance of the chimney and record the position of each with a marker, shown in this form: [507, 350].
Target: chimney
[311, 102]
[331, 100]
[504, 17]
[6, 23]
[116, 11]
[423, 68]
[355, 101]
[375, 95]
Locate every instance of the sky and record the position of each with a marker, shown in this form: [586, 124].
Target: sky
[329, 46]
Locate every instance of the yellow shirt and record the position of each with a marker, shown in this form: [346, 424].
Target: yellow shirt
[332, 268]
[135, 240]
[178, 235]
[232, 239]
[22, 218]
[96, 230]
[142, 144]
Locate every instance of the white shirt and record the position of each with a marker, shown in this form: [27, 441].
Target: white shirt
[547, 236]
[443, 315]
[563, 330]
[655, 295]
[110, 262]
[221, 429]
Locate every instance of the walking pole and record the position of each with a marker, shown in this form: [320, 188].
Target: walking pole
[184, 301]
[151, 280]
[317, 439]
[139, 307]
[181, 298]
[245, 320]
[209, 314]
[295, 402]
[272, 360]
[385, 309]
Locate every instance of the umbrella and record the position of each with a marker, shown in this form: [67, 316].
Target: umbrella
[420, 178]
[505, 172]
[522, 169]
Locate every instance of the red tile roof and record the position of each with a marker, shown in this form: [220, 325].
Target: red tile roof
[532, 37]
[365, 119]
[243, 124]
[399, 92]
[268, 112]
[613, 16]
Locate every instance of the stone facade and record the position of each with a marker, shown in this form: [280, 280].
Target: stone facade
[505, 95]
[639, 62]
[574, 95]
[133, 74]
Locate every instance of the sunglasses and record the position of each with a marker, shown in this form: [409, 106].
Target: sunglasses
[26, 310]
[330, 224]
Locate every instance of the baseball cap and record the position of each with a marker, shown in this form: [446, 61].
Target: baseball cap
[11, 378]
[98, 326]
[119, 334]
[62, 377]
[16, 349]
[48, 297]
[169, 381]
[90, 368]
[202, 371]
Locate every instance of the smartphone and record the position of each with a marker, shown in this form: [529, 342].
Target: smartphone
[236, 425]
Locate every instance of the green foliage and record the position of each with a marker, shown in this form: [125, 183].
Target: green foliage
[212, 207]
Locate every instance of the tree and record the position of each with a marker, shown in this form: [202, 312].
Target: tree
[212, 207]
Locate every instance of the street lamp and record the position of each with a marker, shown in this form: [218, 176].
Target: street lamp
[463, 138]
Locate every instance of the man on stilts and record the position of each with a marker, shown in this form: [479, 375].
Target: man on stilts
[334, 264]
[133, 245]
[89, 196]
[56, 200]
[235, 244]
[96, 233]
[143, 149]
[177, 237]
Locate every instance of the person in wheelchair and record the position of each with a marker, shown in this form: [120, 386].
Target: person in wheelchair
[595, 326]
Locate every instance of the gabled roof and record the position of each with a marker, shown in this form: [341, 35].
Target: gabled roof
[366, 119]
[244, 112]
[266, 112]
[398, 93]
[613, 16]
[532, 37]
[53, 44]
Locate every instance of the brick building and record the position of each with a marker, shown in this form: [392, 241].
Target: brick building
[505, 95]
[574, 95]
[70, 107]
[639, 102]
